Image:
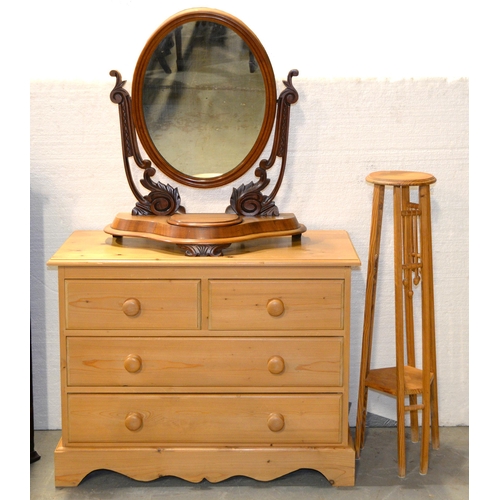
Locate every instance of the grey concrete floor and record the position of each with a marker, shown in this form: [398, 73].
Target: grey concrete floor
[376, 476]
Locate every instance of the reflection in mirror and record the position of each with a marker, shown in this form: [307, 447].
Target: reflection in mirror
[204, 99]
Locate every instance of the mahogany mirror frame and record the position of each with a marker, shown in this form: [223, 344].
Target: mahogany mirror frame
[266, 69]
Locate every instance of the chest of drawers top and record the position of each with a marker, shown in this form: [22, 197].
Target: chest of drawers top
[314, 248]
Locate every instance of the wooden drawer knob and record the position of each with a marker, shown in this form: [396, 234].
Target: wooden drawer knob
[133, 363]
[133, 421]
[276, 364]
[131, 307]
[276, 422]
[275, 307]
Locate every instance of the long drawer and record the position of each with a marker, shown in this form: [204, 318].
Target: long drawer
[235, 420]
[276, 304]
[204, 362]
[132, 304]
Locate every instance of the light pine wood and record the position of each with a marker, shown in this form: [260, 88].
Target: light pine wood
[410, 255]
[315, 249]
[400, 178]
[143, 369]
[369, 313]
[195, 464]
[132, 304]
[212, 419]
[204, 362]
[412, 267]
[275, 305]
[385, 380]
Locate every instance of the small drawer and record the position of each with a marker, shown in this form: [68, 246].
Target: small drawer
[235, 420]
[276, 304]
[132, 304]
[204, 362]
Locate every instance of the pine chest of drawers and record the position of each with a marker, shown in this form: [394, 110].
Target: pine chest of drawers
[205, 367]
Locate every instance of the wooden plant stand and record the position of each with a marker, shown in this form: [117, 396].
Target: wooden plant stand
[412, 266]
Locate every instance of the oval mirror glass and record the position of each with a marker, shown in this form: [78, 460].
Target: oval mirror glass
[203, 98]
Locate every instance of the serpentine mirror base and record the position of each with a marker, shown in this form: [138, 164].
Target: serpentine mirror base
[204, 235]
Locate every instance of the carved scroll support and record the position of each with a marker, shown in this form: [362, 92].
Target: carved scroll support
[162, 199]
[203, 250]
[248, 199]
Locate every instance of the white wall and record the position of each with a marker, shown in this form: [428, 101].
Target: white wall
[376, 92]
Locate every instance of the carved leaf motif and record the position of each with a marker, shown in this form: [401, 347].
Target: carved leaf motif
[196, 250]
[163, 199]
[248, 200]
[141, 209]
[269, 208]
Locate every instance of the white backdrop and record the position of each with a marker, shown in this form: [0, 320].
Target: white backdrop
[380, 88]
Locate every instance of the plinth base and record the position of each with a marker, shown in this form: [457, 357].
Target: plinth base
[337, 464]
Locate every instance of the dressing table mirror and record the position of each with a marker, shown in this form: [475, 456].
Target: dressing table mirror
[203, 106]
